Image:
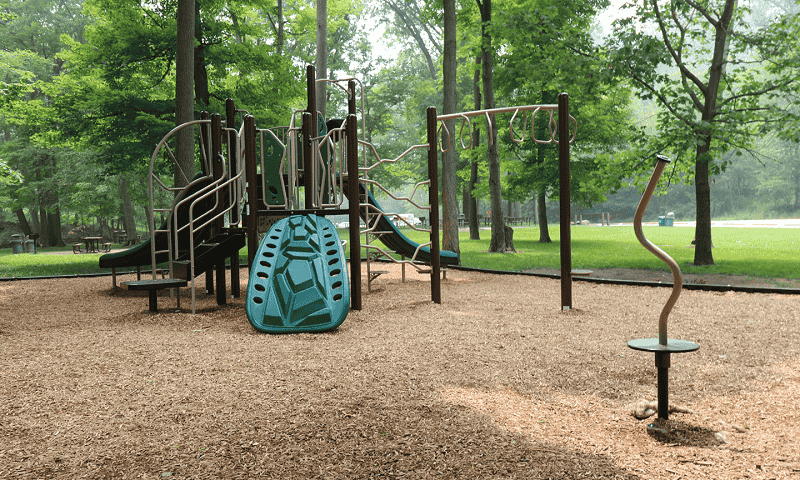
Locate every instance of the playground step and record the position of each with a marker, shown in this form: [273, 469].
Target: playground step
[209, 254]
[153, 286]
[376, 273]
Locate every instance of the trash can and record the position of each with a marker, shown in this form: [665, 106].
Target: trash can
[670, 220]
[30, 244]
[16, 243]
[661, 220]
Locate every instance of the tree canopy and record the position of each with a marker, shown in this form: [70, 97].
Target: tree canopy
[88, 87]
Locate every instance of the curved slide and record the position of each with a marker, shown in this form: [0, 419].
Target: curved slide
[140, 254]
[398, 242]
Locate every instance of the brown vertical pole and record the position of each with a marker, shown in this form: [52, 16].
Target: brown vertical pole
[433, 197]
[233, 168]
[311, 86]
[310, 130]
[233, 165]
[216, 162]
[206, 146]
[351, 99]
[308, 183]
[564, 201]
[252, 188]
[354, 206]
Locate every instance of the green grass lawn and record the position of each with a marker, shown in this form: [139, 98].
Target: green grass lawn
[42, 264]
[765, 252]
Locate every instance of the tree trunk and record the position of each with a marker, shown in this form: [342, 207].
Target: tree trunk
[54, 228]
[44, 234]
[279, 38]
[128, 219]
[702, 233]
[51, 224]
[37, 227]
[184, 92]
[200, 72]
[702, 251]
[449, 158]
[23, 222]
[498, 242]
[322, 54]
[541, 205]
[148, 215]
[409, 20]
[474, 227]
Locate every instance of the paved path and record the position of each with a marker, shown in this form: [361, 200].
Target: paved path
[779, 223]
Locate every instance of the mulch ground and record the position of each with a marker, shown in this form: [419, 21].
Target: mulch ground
[495, 382]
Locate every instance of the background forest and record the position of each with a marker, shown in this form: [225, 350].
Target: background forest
[88, 89]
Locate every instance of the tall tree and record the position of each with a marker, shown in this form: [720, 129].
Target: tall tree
[546, 48]
[719, 83]
[450, 157]
[474, 228]
[322, 54]
[30, 46]
[410, 18]
[184, 91]
[498, 242]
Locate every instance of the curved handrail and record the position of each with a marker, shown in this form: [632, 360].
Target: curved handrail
[673, 266]
[152, 176]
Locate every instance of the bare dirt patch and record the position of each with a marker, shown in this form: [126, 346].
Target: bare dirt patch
[496, 382]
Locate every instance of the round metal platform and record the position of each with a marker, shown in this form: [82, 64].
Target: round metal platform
[672, 346]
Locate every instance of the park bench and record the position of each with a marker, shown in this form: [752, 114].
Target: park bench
[76, 247]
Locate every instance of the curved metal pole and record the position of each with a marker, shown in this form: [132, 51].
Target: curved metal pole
[677, 276]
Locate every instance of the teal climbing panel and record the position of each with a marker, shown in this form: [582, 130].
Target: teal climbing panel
[299, 282]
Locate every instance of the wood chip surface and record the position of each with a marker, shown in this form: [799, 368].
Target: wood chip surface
[496, 382]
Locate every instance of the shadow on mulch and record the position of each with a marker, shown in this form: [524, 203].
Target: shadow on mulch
[683, 433]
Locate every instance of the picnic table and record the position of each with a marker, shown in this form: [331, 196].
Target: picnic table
[92, 244]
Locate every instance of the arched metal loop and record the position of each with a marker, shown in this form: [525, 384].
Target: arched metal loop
[551, 128]
[443, 127]
[489, 127]
[524, 126]
[465, 121]
[574, 130]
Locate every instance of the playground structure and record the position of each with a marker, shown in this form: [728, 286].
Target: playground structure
[661, 346]
[252, 178]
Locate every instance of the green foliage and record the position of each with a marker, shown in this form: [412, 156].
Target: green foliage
[676, 68]
[8, 176]
[546, 48]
